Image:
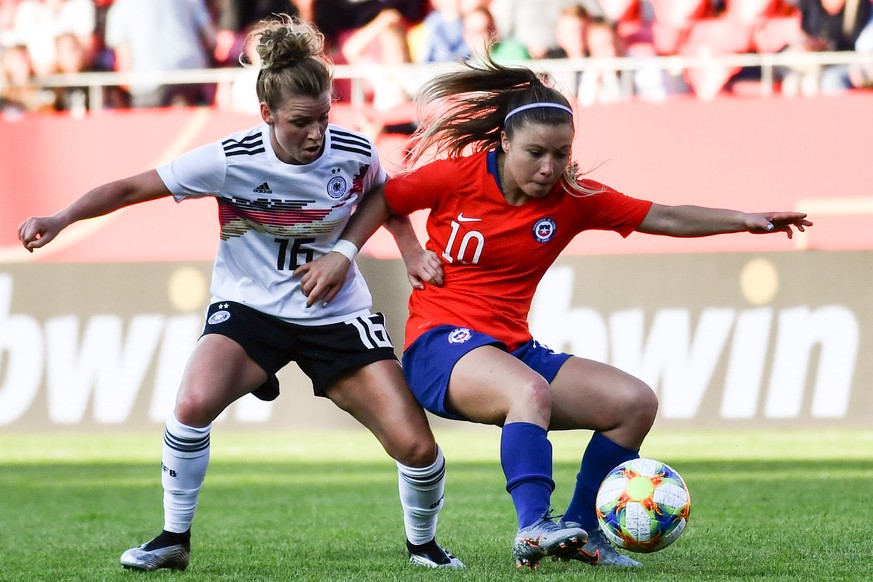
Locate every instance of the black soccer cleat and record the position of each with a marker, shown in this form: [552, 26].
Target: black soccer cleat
[432, 555]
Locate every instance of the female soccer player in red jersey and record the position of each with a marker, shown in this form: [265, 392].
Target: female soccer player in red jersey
[498, 219]
[285, 188]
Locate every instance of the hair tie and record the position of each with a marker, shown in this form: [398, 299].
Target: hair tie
[536, 106]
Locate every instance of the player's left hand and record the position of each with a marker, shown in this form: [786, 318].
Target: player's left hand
[323, 278]
[423, 267]
[770, 222]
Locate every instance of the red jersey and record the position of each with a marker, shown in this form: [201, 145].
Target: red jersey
[494, 254]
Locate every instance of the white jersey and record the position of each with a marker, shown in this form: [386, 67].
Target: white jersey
[276, 216]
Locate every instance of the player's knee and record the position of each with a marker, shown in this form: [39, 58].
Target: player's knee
[535, 395]
[414, 452]
[192, 410]
[645, 405]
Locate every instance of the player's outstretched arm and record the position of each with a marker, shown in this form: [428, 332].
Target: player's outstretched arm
[694, 221]
[38, 231]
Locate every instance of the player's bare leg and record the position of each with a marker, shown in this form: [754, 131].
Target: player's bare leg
[492, 386]
[377, 396]
[218, 373]
[622, 417]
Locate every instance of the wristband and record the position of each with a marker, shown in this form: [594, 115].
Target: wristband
[346, 249]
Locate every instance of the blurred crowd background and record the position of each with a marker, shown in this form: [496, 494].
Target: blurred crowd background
[42, 39]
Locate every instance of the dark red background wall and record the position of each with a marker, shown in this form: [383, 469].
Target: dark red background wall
[751, 154]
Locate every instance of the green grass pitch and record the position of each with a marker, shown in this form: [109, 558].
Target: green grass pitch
[767, 505]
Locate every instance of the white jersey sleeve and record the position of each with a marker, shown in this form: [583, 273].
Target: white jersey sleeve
[200, 172]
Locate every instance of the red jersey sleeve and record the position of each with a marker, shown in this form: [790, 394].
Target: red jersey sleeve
[421, 188]
[609, 209]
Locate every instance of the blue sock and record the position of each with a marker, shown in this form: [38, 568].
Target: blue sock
[526, 457]
[601, 456]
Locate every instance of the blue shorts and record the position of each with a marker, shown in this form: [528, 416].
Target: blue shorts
[429, 361]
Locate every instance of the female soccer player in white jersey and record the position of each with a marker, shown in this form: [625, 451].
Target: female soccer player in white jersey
[285, 189]
[498, 219]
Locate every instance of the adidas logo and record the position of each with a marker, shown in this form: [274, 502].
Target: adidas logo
[263, 189]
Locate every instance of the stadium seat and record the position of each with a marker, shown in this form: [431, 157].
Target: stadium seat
[620, 10]
[666, 38]
[672, 20]
[750, 11]
[773, 34]
[635, 33]
[678, 13]
[714, 37]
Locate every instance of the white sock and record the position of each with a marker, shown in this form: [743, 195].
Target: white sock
[421, 496]
[183, 468]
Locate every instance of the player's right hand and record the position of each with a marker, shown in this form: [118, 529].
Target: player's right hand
[38, 231]
[322, 279]
[423, 267]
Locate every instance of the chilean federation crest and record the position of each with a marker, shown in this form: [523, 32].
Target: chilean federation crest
[460, 335]
[544, 230]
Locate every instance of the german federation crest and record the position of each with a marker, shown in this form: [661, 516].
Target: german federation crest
[337, 187]
[219, 317]
[544, 230]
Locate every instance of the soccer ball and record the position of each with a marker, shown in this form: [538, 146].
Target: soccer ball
[643, 505]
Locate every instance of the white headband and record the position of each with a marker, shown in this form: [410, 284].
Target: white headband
[536, 105]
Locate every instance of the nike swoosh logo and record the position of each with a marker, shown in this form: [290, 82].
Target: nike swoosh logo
[462, 218]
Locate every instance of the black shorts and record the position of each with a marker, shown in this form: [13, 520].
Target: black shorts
[323, 352]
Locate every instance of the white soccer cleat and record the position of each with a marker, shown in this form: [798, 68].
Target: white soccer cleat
[155, 554]
[546, 538]
[597, 551]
